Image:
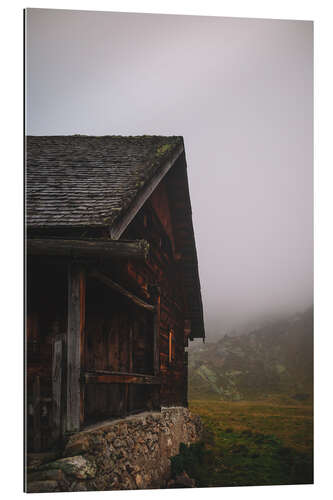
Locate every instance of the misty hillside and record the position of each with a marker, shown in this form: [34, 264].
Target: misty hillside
[274, 359]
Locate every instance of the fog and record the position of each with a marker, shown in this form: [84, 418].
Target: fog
[240, 93]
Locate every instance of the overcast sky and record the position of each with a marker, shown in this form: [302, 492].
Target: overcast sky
[240, 93]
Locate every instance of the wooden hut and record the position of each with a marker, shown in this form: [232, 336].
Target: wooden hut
[112, 284]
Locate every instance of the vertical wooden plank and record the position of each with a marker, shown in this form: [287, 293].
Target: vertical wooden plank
[36, 414]
[130, 350]
[186, 379]
[32, 328]
[56, 388]
[63, 404]
[82, 341]
[116, 344]
[156, 391]
[74, 332]
[130, 368]
[123, 342]
[157, 315]
[125, 404]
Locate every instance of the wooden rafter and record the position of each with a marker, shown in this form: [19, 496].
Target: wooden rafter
[118, 288]
[120, 225]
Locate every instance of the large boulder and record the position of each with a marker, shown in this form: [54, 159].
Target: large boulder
[77, 466]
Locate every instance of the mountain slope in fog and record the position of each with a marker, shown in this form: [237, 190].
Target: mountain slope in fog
[274, 359]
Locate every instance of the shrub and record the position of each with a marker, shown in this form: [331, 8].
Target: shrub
[190, 459]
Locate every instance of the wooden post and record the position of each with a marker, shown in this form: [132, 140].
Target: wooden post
[130, 369]
[56, 388]
[82, 343]
[157, 331]
[186, 379]
[156, 292]
[36, 414]
[125, 401]
[75, 329]
[130, 350]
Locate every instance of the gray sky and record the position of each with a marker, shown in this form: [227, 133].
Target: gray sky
[240, 93]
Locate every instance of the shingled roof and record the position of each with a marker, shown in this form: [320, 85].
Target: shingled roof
[101, 182]
[85, 181]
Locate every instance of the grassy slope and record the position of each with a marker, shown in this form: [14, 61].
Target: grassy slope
[251, 443]
[254, 395]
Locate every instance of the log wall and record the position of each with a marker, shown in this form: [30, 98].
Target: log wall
[132, 358]
[154, 222]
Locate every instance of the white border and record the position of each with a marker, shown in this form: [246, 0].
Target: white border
[11, 230]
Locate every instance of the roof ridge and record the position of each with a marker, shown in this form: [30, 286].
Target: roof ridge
[154, 136]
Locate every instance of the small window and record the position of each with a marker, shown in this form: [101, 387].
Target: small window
[172, 347]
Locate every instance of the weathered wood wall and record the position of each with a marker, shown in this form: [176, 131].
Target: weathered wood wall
[125, 363]
[153, 222]
[46, 323]
[118, 339]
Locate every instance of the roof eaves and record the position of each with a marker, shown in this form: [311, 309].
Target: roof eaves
[128, 213]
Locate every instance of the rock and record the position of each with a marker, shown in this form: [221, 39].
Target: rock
[45, 475]
[114, 485]
[127, 483]
[147, 478]
[42, 487]
[77, 466]
[139, 481]
[123, 430]
[79, 486]
[77, 447]
[110, 436]
[117, 443]
[130, 443]
[118, 456]
[132, 468]
[123, 453]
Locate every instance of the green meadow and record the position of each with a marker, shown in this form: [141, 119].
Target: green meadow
[265, 442]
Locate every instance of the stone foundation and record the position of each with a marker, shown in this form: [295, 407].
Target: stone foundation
[129, 453]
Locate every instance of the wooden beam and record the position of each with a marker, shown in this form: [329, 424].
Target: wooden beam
[118, 288]
[108, 249]
[76, 280]
[116, 378]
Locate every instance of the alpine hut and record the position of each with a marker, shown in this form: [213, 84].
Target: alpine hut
[112, 284]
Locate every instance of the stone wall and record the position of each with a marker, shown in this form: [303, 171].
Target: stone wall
[129, 453]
